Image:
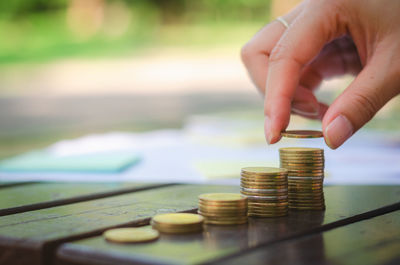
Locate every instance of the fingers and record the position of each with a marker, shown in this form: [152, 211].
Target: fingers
[302, 42]
[305, 103]
[374, 87]
[256, 52]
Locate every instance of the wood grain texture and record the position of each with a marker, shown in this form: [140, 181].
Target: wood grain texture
[30, 237]
[344, 204]
[22, 198]
[369, 242]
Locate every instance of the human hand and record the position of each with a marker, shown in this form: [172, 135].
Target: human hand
[327, 38]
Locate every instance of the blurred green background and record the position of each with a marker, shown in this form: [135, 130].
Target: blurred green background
[39, 30]
[73, 67]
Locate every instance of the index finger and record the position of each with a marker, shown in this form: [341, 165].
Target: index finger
[302, 41]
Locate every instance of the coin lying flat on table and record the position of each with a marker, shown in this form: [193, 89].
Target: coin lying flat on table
[302, 134]
[131, 235]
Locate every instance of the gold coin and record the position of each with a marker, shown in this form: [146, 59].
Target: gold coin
[260, 208]
[301, 157]
[220, 214]
[305, 177]
[264, 182]
[219, 222]
[222, 197]
[306, 174]
[264, 190]
[268, 204]
[302, 134]
[215, 208]
[304, 185]
[301, 164]
[301, 150]
[262, 186]
[306, 188]
[131, 235]
[269, 211]
[316, 208]
[264, 177]
[267, 215]
[303, 168]
[178, 219]
[264, 170]
[177, 230]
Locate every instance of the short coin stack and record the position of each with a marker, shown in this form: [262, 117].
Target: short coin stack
[266, 189]
[223, 208]
[131, 235]
[177, 223]
[305, 177]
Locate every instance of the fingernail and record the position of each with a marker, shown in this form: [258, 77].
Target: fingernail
[338, 131]
[305, 108]
[267, 129]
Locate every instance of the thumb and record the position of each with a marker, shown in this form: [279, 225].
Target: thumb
[376, 84]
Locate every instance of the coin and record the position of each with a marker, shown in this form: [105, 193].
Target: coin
[267, 215]
[264, 170]
[302, 134]
[264, 177]
[222, 197]
[264, 190]
[221, 214]
[218, 208]
[303, 173]
[301, 150]
[178, 218]
[312, 208]
[257, 186]
[264, 182]
[301, 157]
[223, 222]
[254, 208]
[301, 164]
[131, 235]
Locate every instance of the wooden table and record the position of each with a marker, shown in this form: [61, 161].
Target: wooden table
[61, 223]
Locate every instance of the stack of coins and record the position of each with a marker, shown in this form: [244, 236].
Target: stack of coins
[266, 189]
[223, 208]
[305, 177]
[177, 223]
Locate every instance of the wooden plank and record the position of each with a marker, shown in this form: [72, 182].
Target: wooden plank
[6, 184]
[31, 237]
[369, 242]
[17, 199]
[344, 204]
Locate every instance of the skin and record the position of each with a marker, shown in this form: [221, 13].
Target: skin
[325, 39]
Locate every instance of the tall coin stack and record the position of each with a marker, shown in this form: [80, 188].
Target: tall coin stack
[223, 208]
[266, 189]
[305, 177]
